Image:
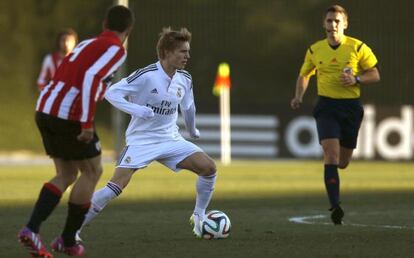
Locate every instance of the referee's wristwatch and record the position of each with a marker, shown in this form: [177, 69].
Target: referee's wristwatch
[357, 80]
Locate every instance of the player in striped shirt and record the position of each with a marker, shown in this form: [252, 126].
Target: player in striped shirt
[342, 64]
[65, 42]
[65, 117]
[155, 94]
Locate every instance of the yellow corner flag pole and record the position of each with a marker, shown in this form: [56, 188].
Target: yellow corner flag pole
[222, 88]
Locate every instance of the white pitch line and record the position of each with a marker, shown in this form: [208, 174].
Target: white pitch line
[308, 220]
[304, 219]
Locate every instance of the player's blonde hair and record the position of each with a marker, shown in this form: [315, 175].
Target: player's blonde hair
[171, 39]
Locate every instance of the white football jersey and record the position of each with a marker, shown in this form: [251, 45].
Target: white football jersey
[153, 88]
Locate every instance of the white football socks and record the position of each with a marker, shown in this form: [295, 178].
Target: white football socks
[205, 188]
[100, 199]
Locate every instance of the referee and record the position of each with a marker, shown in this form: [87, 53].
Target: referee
[342, 65]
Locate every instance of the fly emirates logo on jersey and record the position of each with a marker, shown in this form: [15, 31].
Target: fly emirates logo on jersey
[164, 109]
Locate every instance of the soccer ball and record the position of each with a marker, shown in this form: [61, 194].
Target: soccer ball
[216, 225]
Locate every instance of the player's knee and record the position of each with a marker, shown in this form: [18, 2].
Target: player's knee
[94, 173]
[66, 178]
[97, 172]
[208, 170]
[331, 156]
[71, 178]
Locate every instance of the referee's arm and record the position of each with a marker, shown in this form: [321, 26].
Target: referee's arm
[301, 85]
[369, 76]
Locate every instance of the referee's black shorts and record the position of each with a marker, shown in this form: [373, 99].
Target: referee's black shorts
[339, 119]
[59, 138]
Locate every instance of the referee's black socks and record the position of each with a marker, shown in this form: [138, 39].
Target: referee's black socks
[332, 184]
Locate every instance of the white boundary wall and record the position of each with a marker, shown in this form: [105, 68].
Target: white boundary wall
[251, 136]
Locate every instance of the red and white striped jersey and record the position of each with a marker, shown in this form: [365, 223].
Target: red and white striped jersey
[49, 66]
[79, 81]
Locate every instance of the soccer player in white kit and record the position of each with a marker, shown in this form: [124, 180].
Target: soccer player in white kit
[152, 96]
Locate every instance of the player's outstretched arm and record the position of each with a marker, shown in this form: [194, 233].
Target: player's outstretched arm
[116, 96]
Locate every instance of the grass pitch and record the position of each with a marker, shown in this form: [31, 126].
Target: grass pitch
[150, 219]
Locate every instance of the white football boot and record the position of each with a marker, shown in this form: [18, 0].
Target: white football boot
[196, 221]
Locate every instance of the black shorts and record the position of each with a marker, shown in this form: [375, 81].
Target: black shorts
[59, 138]
[339, 119]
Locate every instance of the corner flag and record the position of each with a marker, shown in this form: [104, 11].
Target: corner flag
[222, 88]
[222, 79]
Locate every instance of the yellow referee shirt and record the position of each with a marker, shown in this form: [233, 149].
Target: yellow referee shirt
[329, 63]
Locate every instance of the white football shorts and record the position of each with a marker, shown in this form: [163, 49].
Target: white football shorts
[168, 153]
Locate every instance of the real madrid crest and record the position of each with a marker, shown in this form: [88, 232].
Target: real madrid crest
[179, 94]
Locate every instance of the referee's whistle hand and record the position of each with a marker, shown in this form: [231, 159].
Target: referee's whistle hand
[86, 135]
[347, 79]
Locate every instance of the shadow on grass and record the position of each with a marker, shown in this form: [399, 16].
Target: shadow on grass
[260, 228]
